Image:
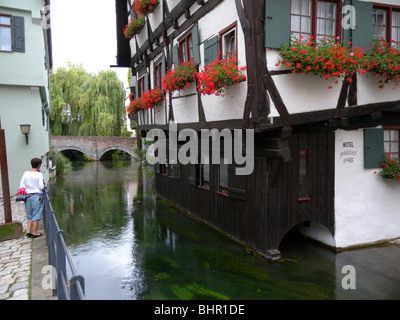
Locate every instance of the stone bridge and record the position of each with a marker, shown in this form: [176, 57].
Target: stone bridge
[94, 147]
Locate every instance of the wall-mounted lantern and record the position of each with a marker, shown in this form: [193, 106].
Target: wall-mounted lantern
[25, 129]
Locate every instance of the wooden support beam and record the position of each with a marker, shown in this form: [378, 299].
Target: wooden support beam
[4, 177]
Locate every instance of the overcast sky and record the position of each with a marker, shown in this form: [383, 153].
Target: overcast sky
[84, 32]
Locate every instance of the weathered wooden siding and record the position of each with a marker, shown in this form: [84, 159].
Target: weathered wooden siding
[285, 210]
[267, 214]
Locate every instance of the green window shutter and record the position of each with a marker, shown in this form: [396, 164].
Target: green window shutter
[196, 45]
[211, 49]
[277, 23]
[137, 89]
[18, 32]
[373, 148]
[175, 55]
[362, 35]
[163, 67]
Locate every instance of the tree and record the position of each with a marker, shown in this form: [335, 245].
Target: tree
[85, 103]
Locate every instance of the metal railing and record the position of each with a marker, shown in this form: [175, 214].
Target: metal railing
[64, 288]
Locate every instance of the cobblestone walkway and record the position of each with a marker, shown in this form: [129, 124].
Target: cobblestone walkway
[15, 258]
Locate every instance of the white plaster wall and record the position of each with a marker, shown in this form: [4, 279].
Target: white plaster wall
[186, 109]
[366, 205]
[305, 93]
[369, 92]
[227, 107]
[156, 17]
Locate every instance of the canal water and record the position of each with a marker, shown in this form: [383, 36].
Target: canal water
[131, 245]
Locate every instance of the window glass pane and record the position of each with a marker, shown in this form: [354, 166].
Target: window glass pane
[330, 27]
[296, 23]
[396, 28]
[229, 43]
[183, 48]
[394, 147]
[387, 147]
[306, 7]
[305, 25]
[5, 20]
[396, 19]
[5, 39]
[330, 10]
[326, 20]
[395, 135]
[321, 9]
[379, 24]
[321, 26]
[295, 6]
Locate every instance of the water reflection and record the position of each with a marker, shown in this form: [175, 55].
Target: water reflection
[129, 244]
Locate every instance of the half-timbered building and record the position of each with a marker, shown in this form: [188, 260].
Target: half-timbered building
[318, 142]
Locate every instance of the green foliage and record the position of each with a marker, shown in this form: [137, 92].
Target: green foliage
[86, 104]
[390, 167]
[63, 164]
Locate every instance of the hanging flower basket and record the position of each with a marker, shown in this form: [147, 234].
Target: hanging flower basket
[148, 100]
[390, 167]
[218, 76]
[384, 61]
[328, 58]
[134, 27]
[145, 7]
[179, 78]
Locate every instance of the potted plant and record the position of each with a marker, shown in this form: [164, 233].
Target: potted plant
[390, 167]
[327, 58]
[179, 78]
[218, 76]
[148, 100]
[134, 27]
[384, 61]
[145, 7]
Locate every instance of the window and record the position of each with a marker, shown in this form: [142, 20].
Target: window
[5, 33]
[228, 38]
[141, 86]
[396, 28]
[386, 24]
[391, 141]
[314, 18]
[223, 177]
[204, 173]
[326, 19]
[379, 24]
[303, 186]
[186, 49]
[157, 76]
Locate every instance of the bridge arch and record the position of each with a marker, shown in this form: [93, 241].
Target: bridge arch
[94, 147]
[103, 152]
[313, 230]
[65, 149]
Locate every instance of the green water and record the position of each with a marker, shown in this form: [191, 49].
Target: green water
[131, 245]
